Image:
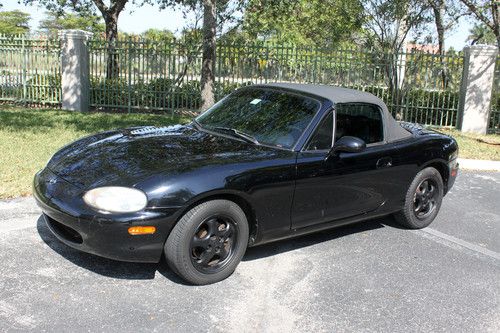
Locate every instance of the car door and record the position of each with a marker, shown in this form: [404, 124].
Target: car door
[347, 184]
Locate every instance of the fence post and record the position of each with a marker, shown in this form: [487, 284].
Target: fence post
[75, 72]
[25, 69]
[476, 87]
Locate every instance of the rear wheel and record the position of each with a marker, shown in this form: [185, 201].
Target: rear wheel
[208, 242]
[423, 200]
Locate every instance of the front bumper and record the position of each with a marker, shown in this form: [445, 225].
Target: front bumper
[106, 235]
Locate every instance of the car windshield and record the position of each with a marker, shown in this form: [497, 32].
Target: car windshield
[265, 116]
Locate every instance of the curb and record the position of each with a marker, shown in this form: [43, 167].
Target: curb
[482, 165]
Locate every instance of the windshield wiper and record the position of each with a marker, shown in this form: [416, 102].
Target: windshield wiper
[239, 134]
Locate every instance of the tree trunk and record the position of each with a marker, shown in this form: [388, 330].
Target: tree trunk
[112, 66]
[208, 57]
[495, 13]
[438, 7]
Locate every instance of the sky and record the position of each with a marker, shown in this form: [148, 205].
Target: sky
[139, 19]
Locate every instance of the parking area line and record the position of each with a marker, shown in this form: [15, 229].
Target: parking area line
[460, 242]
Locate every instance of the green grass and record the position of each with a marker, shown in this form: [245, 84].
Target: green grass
[28, 137]
[478, 147]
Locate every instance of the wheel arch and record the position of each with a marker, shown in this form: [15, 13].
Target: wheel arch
[234, 196]
[442, 167]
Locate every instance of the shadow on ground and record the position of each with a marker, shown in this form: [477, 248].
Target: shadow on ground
[143, 271]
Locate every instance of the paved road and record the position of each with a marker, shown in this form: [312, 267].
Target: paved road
[368, 277]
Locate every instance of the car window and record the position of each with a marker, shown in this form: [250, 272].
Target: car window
[273, 117]
[363, 121]
[323, 136]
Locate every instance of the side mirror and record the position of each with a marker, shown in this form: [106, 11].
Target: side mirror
[347, 144]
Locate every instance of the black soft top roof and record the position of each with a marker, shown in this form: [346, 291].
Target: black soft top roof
[393, 130]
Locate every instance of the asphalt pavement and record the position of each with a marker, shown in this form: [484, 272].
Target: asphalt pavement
[371, 277]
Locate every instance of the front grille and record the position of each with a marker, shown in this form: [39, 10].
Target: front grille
[63, 231]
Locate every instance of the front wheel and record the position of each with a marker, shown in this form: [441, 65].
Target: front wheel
[208, 242]
[423, 200]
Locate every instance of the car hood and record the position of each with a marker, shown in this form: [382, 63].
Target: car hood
[126, 157]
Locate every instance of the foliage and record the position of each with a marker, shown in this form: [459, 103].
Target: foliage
[236, 35]
[226, 10]
[322, 23]
[191, 37]
[445, 14]
[160, 93]
[481, 34]
[164, 35]
[14, 22]
[488, 13]
[55, 21]
[389, 22]
[43, 87]
[419, 105]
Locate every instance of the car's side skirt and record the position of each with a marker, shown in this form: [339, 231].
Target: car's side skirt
[324, 226]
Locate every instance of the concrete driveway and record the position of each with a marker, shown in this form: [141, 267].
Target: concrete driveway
[372, 276]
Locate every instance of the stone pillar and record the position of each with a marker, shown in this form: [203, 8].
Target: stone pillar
[476, 88]
[75, 81]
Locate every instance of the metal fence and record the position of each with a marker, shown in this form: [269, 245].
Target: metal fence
[144, 75]
[494, 122]
[158, 76]
[412, 84]
[165, 76]
[30, 69]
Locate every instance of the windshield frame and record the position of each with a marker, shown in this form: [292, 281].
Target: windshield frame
[303, 136]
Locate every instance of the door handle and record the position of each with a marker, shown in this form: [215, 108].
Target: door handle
[384, 162]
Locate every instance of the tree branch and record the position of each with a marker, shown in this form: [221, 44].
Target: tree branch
[101, 6]
[472, 7]
[117, 6]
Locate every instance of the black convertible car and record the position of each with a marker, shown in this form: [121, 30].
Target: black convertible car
[265, 163]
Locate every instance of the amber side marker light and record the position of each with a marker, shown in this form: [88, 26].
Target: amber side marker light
[147, 230]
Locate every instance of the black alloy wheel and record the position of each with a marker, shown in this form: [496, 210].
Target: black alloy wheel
[423, 200]
[212, 244]
[208, 242]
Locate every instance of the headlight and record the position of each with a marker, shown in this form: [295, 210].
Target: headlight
[115, 199]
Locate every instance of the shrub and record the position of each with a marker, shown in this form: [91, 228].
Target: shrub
[44, 88]
[109, 92]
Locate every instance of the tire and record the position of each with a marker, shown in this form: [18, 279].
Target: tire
[423, 200]
[208, 242]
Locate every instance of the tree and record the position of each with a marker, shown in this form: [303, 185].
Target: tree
[486, 11]
[388, 24]
[322, 23]
[110, 14]
[445, 14]
[215, 14]
[207, 81]
[55, 21]
[159, 35]
[481, 34]
[14, 22]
